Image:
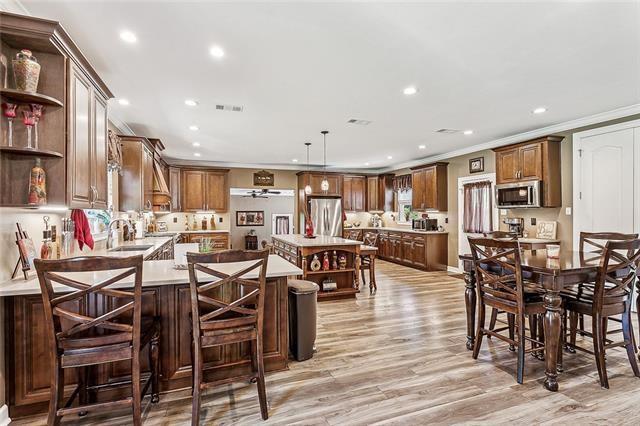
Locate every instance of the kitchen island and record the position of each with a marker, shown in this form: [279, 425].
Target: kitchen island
[166, 295]
[337, 280]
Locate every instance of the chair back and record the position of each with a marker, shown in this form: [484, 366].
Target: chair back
[617, 273]
[501, 234]
[76, 328]
[370, 239]
[498, 270]
[228, 301]
[592, 243]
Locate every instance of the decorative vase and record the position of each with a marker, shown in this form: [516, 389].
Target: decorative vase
[334, 264]
[325, 261]
[342, 261]
[37, 185]
[26, 71]
[315, 263]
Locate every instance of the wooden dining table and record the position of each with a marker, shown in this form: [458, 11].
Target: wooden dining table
[553, 275]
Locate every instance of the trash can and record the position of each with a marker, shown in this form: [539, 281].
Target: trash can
[303, 297]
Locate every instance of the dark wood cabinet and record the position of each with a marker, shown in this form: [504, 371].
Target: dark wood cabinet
[380, 193]
[537, 159]
[100, 157]
[353, 234]
[205, 190]
[429, 187]
[135, 186]
[174, 189]
[216, 241]
[314, 179]
[354, 193]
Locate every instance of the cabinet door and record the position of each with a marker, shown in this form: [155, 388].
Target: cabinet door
[174, 188]
[383, 246]
[418, 186]
[507, 166]
[531, 161]
[100, 152]
[335, 187]
[81, 193]
[217, 192]
[419, 257]
[372, 194]
[346, 194]
[193, 190]
[358, 194]
[407, 251]
[147, 179]
[430, 193]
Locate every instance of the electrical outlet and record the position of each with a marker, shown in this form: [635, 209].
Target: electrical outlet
[446, 220]
[503, 212]
[220, 219]
[567, 211]
[533, 221]
[175, 220]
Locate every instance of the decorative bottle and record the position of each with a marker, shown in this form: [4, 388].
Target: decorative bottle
[325, 261]
[37, 185]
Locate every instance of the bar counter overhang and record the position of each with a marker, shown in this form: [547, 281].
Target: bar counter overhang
[166, 295]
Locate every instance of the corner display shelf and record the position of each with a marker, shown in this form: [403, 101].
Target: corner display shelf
[18, 96]
[31, 151]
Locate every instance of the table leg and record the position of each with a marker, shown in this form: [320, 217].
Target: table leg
[356, 281]
[372, 274]
[470, 305]
[552, 319]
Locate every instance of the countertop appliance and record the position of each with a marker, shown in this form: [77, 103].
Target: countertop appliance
[515, 224]
[424, 224]
[326, 215]
[518, 195]
[162, 226]
[376, 221]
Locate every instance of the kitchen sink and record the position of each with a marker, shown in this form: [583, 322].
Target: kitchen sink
[131, 248]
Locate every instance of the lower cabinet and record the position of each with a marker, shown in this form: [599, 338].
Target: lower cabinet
[215, 241]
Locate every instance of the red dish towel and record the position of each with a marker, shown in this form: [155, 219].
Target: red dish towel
[83, 230]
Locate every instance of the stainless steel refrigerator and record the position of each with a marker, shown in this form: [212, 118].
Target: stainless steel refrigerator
[326, 216]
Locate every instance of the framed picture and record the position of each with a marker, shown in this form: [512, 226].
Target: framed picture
[250, 218]
[547, 229]
[263, 178]
[476, 165]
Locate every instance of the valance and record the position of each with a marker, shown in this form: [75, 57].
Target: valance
[114, 152]
[402, 183]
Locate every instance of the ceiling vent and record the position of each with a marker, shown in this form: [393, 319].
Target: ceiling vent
[447, 131]
[359, 122]
[232, 108]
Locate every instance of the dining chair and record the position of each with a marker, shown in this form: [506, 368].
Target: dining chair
[80, 338]
[499, 285]
[610, 294]
[225, 309]
[367, 262]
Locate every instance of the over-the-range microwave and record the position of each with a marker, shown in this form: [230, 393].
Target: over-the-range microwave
[518, 195]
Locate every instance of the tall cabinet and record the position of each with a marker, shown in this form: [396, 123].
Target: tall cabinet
[135, 187]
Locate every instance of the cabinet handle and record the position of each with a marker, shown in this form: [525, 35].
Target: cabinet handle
[95, 190]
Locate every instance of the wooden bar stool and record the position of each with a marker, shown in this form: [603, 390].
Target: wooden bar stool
[229, 309]
[78, 339]
[368, 252]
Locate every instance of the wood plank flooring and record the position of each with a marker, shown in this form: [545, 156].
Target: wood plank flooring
[399, 357]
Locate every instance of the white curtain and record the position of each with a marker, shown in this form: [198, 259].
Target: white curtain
[477, 207]
[282, 225]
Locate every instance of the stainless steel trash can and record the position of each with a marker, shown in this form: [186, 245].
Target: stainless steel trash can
[303, 298]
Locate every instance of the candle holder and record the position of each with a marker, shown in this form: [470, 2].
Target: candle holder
[29, 120]
[37, 111]
[9, 111]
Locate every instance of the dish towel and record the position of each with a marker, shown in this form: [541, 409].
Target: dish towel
[83, 230]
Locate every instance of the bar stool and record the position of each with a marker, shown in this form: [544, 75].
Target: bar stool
[368, 259]
[79, 339]
[229, 309]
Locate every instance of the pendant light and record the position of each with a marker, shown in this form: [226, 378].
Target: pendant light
[324, 185]
[307, 189]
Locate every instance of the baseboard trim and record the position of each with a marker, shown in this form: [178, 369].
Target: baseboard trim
[4, 416]
[454, 270]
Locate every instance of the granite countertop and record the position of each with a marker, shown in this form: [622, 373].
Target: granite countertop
[154, 242]
[205, 231]
[397, 229]
[320, 240]
[155, 273]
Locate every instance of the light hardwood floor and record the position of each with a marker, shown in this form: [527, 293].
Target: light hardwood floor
[399, 357]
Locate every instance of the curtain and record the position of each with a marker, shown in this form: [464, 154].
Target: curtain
[402, 183]
[282, 225]
[477, 207]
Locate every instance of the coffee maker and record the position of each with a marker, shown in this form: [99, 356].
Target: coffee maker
[515, 224]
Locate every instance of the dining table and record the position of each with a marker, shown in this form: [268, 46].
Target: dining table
[553, 275]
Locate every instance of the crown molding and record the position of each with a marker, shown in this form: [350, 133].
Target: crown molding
[14, 6]
[292, 167]
[525, 136]
[123, 127]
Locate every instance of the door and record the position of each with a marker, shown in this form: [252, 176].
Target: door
[605, 196]
[174, 188]
[217, 192]
[193, 187]
[347, 193]
[100, 152]
[531, 162]
[81, 193]
[147, 178]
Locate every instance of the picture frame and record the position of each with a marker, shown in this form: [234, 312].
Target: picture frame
[547, 229]
[476, 165]
[263, 178]
[250, 218]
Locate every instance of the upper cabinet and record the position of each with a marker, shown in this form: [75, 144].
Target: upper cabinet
[135, 188]
[429, 187]
[538, 159]
[380, 193]
[205, 190]
[354, 193]
[314, 179]
[174, 189]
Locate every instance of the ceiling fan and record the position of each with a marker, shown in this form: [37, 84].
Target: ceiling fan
[262, 193]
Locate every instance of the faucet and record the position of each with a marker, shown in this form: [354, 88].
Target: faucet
[110, 234]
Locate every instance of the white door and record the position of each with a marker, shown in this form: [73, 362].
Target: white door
[604, 184]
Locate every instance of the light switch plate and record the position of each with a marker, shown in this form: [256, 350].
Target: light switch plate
[503, 212]
[567, 211]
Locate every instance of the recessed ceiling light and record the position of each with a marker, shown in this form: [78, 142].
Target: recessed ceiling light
[196, 154]
[193, 127]
[295, 160]
[196, 144]
[191, 102]
[389, 157]
[216, 51]
[411, 90]
[123, 102]
[468, 132]
[422, 147]
[366, 164]
[539, 110]
[128, 36]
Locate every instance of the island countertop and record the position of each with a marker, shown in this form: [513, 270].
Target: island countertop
[299, 240]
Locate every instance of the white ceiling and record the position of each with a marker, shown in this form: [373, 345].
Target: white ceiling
[298, 68]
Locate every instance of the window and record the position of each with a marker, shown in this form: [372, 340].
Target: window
[404, 206]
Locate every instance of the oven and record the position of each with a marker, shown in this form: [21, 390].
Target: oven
[518, 195]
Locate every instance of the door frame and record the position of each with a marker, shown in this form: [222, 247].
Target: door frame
[577, 172]
[461, 182]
